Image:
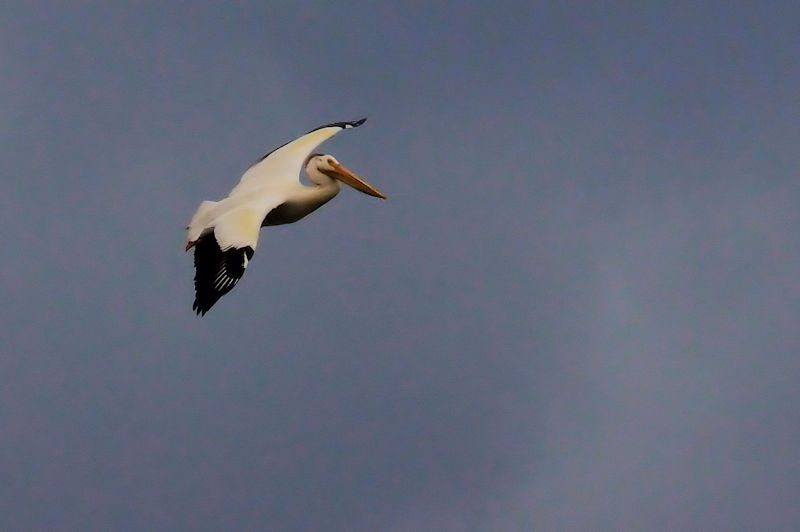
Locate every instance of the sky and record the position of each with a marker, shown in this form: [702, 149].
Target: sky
[577, 309]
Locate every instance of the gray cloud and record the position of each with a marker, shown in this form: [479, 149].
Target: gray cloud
[576, 310]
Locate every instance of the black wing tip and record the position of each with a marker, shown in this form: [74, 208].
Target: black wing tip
[216, 271]
[343, 125]
[200, 310]
[202, 305]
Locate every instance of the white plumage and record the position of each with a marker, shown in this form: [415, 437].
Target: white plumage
[224, 233]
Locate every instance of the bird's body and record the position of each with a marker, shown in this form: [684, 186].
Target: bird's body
[225, 233]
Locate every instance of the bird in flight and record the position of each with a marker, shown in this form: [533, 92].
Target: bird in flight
[224, 234]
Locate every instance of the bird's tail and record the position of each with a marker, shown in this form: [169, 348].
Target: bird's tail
[201, 219]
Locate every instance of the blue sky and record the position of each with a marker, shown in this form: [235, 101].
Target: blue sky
[577, 309]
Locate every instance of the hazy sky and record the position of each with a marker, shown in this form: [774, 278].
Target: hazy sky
[579, 309]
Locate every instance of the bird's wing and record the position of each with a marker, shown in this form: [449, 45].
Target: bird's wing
[283, 164]
[222, 253]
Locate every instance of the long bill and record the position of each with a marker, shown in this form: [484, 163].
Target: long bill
[349, 178]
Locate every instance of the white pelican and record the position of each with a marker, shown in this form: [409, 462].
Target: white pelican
[224, 233]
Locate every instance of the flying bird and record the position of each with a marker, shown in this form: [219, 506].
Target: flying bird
[224, 234]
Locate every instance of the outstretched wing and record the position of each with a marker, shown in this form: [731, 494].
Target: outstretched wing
[216, 271]
[222, 253]
[283, 164]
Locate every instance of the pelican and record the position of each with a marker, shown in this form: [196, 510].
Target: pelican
[224, 234]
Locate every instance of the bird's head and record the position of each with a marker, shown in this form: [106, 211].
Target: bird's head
[327, 165]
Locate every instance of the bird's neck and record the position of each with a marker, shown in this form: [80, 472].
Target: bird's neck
[321, 193]
[328, 189]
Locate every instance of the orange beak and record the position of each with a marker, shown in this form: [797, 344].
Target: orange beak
[349, 178]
